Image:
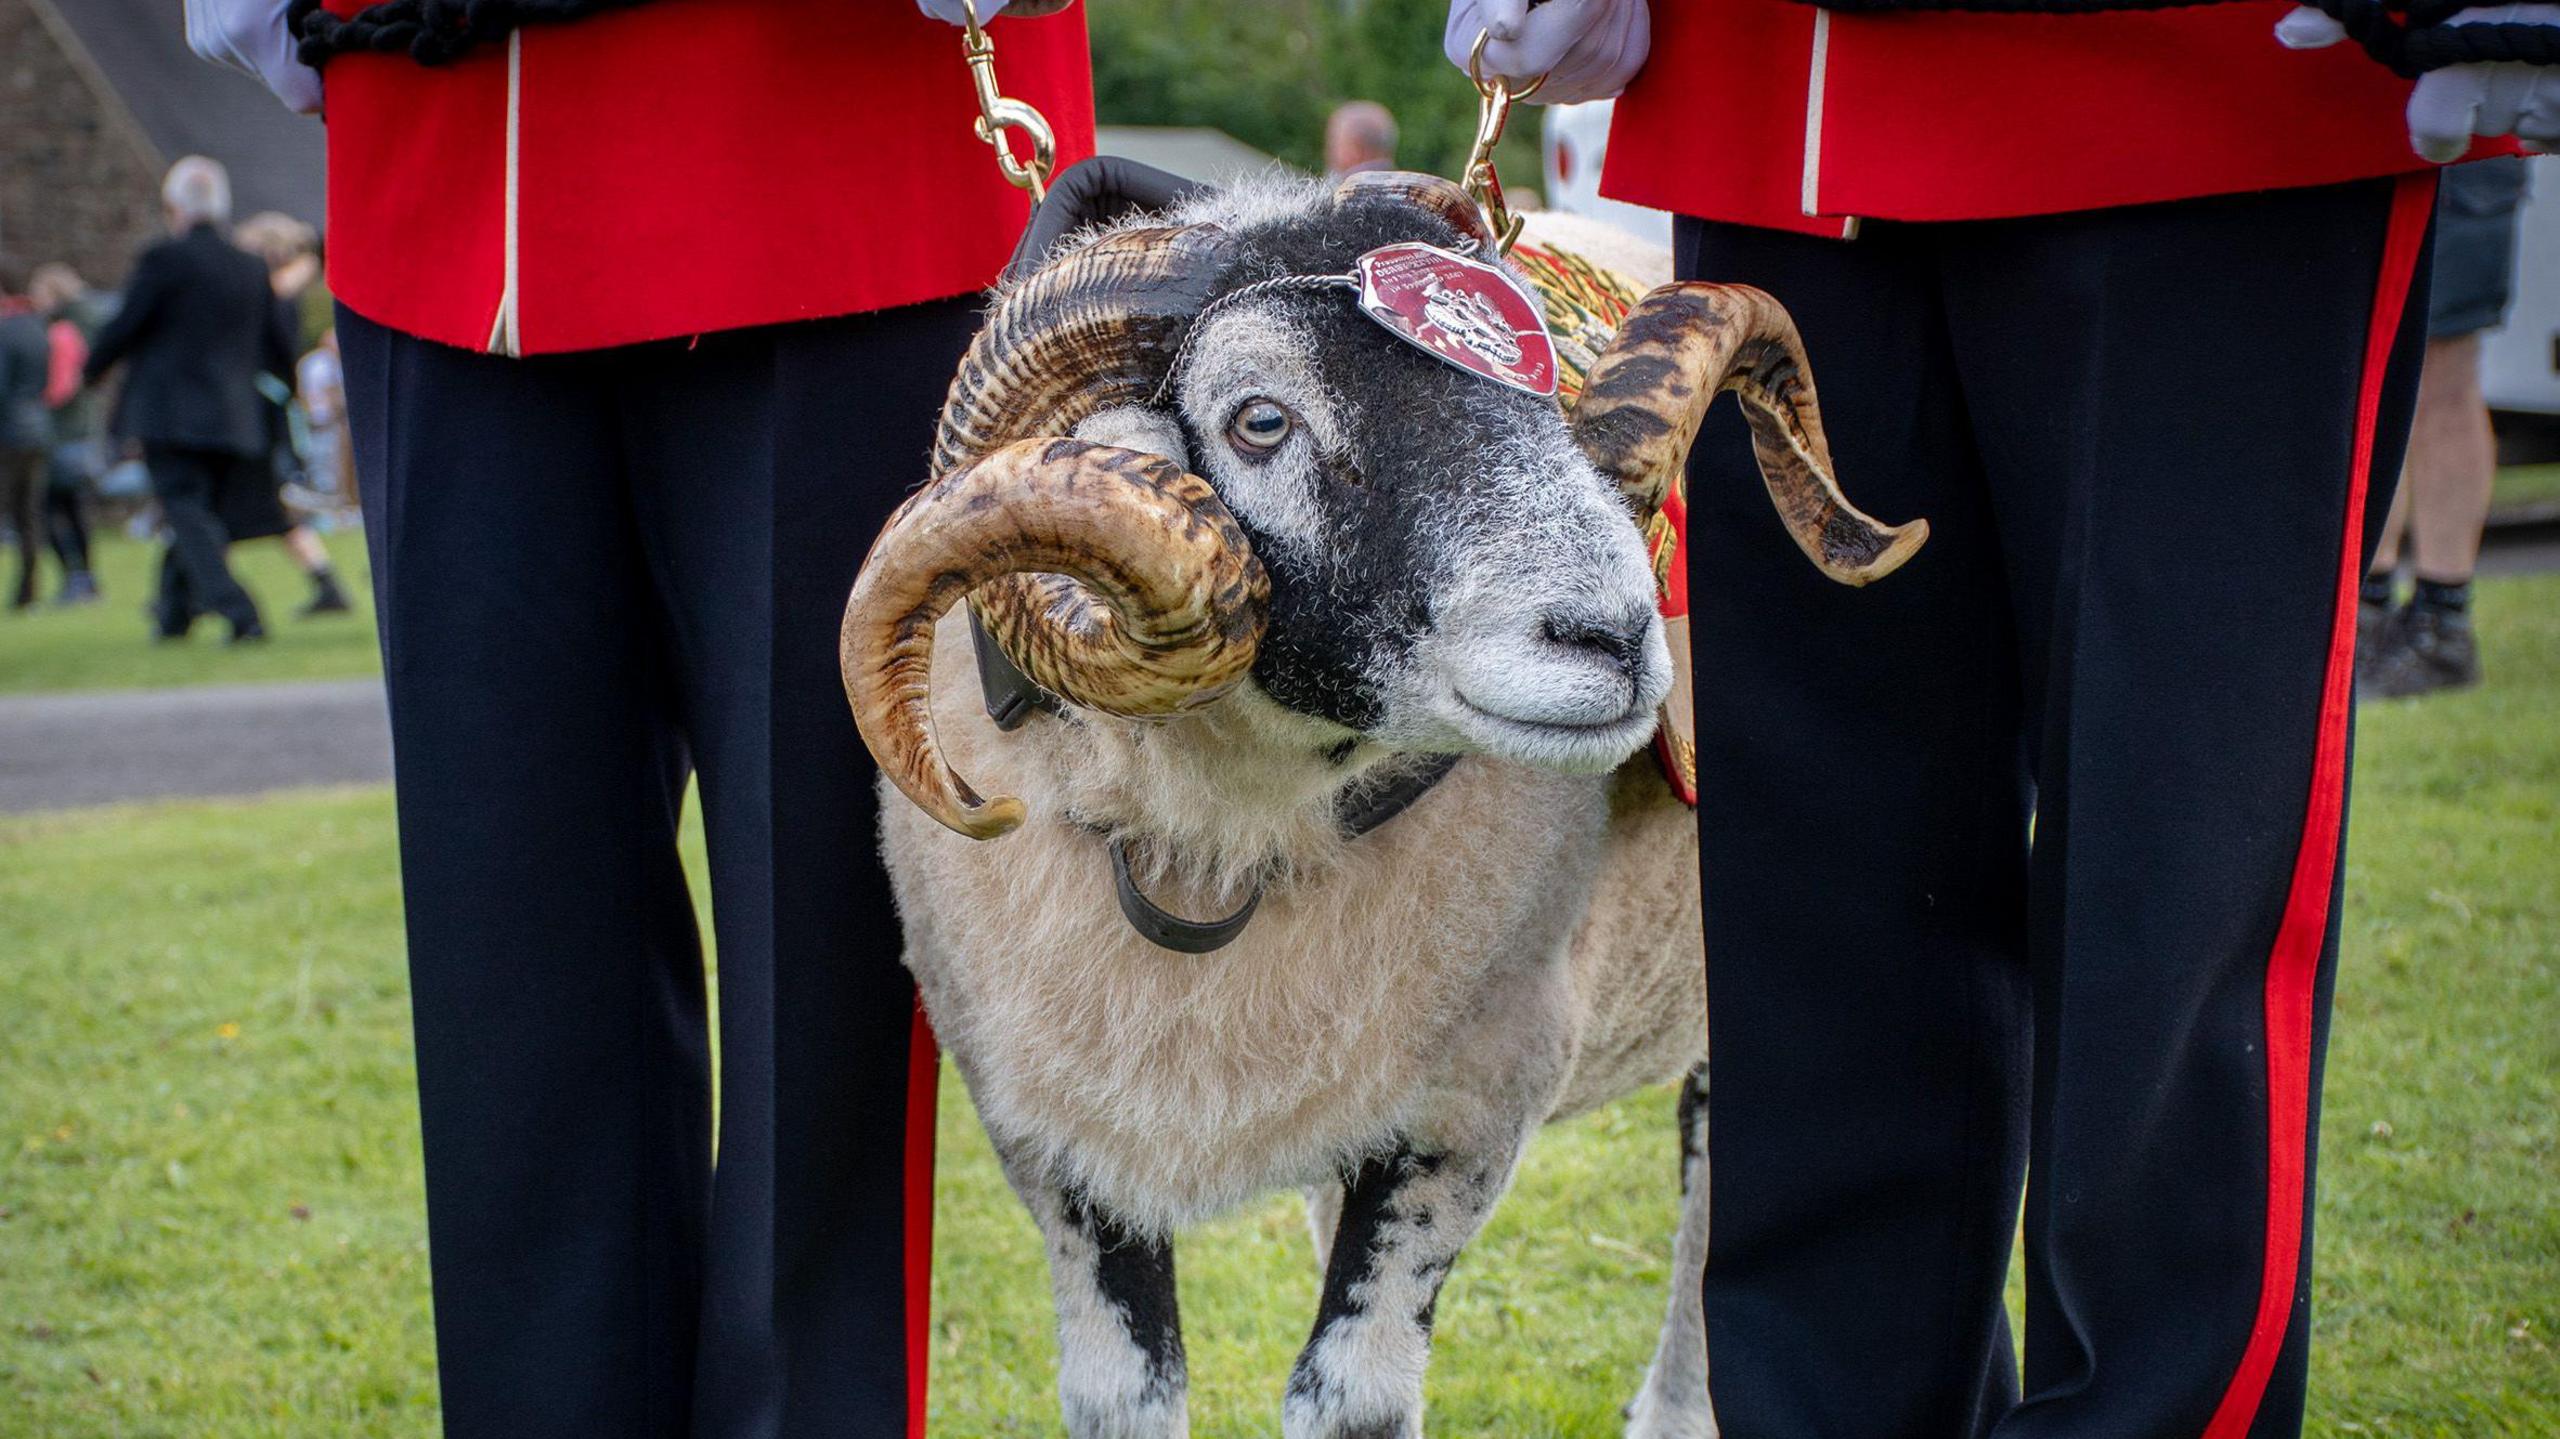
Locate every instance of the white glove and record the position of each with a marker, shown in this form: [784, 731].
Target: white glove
[250, 36]
[2451, 105]
[949, 10]
[1587, 49]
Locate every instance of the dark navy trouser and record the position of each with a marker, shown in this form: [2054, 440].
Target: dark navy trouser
[595, 574]
[2147, 442]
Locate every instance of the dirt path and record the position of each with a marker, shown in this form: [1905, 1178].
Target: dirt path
[62, 751]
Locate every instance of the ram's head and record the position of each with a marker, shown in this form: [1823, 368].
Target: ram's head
[1161, 477]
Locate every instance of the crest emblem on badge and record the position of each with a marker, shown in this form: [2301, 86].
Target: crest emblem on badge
[1466, 312]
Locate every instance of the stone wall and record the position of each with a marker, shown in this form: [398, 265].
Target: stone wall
[77, 180]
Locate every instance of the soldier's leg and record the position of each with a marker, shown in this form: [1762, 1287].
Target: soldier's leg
[2183, 411]
[1863, 824]
[562, 1075]
[767, 461]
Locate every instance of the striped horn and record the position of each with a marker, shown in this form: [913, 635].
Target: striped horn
[1441, 197]
[1678, 349]
[1092, 331]
[1137, 596]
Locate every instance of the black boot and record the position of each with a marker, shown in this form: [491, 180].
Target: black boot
[326, 597]
[2429, 649]
[2373, 624]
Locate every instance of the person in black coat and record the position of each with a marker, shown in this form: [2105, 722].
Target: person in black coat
[199, 325]
[24, 426]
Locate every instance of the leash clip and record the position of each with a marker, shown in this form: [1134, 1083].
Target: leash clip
[1494, 99]
[998, 112]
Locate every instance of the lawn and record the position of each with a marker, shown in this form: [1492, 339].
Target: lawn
[108, 645]
[208, 1173]
[2520, 486]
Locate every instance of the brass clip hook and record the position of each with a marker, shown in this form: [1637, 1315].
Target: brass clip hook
[1495, 98]
[998, 112]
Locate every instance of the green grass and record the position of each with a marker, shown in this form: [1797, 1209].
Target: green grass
[2527, 485]
[209, 1204]
[108, 645]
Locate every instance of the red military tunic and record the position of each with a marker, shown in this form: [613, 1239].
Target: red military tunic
[1777, 114]
[680, 168]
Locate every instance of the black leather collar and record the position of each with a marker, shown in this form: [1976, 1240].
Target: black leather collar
[1012, 699]
[1358, 810]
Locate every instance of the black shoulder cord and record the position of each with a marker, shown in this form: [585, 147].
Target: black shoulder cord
[431, 32]
[2413, 38]
[2408, 36]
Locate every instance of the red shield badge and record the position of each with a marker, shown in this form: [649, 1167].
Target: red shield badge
[1471, 314]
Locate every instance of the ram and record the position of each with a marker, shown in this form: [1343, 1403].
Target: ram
[1327, 867]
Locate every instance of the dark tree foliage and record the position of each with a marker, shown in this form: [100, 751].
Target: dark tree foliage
[1269, 71]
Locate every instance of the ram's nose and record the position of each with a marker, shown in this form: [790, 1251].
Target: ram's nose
[1618, 639]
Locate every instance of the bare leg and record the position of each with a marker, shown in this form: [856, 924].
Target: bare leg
[1673, 1402]
[306, 549]
[2395, 525]
[1121, 1369]
[2453, 461]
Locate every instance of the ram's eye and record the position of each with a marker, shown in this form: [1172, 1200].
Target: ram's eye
[1260, 426]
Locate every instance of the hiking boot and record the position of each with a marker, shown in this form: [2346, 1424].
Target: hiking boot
[2427, 650]
[2373, 635]
[326, 597]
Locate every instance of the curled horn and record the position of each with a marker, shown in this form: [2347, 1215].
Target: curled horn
[1093, 331]
[1141, 598]
[1678, 349]
[1090, 332]
[1443, 198]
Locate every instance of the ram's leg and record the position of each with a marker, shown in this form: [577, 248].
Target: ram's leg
[1121, 1373]
[1673, 1402]
[1404, 1218]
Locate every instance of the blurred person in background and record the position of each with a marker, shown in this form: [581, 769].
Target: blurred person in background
[647, 314]
[73, 314]
[2443, 501]
[290, 249]
[26, 427]
[1359, 135]
[2020, 868]
[320, 384]
[198, 325]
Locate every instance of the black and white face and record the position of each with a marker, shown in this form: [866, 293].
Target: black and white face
[1448, 573]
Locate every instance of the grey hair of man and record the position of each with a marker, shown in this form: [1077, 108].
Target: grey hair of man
[1360, 135]
[197, 192]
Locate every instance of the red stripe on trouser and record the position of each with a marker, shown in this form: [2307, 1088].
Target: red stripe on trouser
[924, 1075]
[2293, 967]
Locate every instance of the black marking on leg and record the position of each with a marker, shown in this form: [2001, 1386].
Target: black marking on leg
[1693, 1120]
[1369, 1204]
[1135, 1274]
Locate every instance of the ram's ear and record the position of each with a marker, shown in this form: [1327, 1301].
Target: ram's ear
[1135, 427]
